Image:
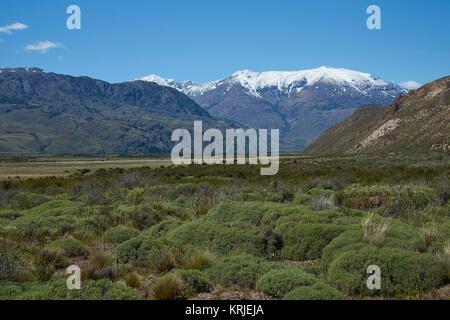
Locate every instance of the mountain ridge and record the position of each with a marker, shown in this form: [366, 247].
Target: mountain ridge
[44, 112]
[302, 104]
[418, 121]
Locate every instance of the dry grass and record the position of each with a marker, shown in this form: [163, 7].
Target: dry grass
[16, 167]
[169, 287]
[322, 202]
[374, 233]
[196, 261]
[133, 280]
[428, 234]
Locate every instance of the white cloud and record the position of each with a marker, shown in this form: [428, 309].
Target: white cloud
[43, 46]
[13, 27]
[410, 84]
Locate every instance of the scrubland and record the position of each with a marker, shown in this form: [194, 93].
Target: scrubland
[224, 231]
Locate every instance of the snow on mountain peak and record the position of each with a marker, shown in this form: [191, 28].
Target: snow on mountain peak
[284, 81]
[158, 80]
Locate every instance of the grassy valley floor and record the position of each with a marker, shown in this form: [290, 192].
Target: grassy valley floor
[141, 228]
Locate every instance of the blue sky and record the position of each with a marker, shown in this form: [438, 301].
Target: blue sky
[203, 40]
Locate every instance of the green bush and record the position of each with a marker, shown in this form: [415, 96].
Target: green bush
[402, 271]
[398, 235]
[161, 229]
[30, 225]
[318, 291]
[242, 271]
[11, 214]
[70, 247]
[8, 266]
[119, 234]
[57, 208]
[144, 251]
[221, 239]
[306, 241]
[279, 282]
[57, 290]
[302, 198]
[195, 281]
[27, 200]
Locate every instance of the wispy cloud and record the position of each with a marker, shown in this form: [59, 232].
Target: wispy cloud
[410, 84]
[13, 27]
[43, 46]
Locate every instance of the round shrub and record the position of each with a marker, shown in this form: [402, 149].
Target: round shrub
[27, 200]
[402, 271]
[90, 290]
[119, 234]
[195, 281]
[32, 224]
[398, 235]
[306, 241]
[70, 247]
[57, 208]
[142, 251]
[221, 239]
[279, 282]
[242, 271]
[162, 228]
[318, 291]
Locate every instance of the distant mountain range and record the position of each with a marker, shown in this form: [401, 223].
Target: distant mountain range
[302, 104]
[419, 121]
[44, 112]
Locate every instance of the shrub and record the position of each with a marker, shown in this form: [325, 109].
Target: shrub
[144, 251]
[242, 271]
[279, 282]
[169, 287]
[318, 291]
[221, 239]
[27, 200]
[403, 271]
[306, 241]
[57, 208]
[31, 225]
[302, 198]
[133, 280]
[57, 290]
[8, 266]
[46, 262]
[69, 247]
[140, 216]
[100, 266]
[119, 234]
[11, 214]
[195, 281]
[162, 228]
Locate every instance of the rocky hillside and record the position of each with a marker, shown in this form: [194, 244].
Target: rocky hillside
[302, 104]
[44, 112]
[418, 121]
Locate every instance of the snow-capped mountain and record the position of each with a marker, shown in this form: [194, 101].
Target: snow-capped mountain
[284, 81]
[302, 104]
